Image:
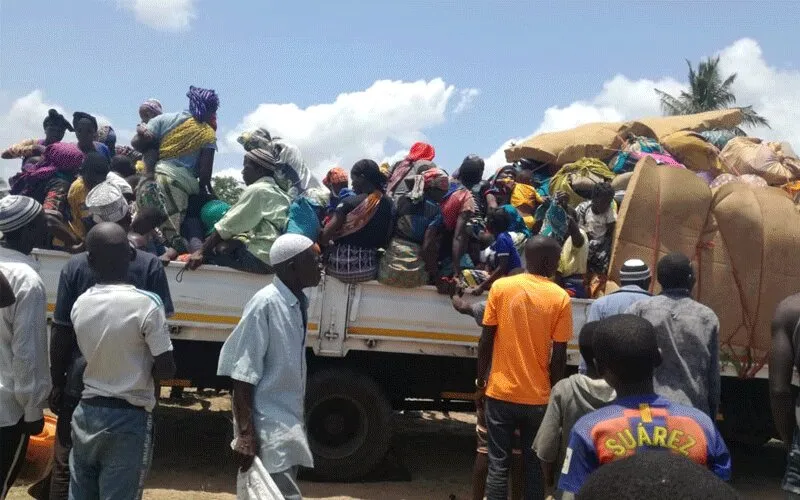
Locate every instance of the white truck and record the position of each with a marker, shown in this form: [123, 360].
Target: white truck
[371, 349]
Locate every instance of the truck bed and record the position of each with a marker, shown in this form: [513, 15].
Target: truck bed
[364, 317]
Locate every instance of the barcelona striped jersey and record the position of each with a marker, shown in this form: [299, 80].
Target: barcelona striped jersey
[641, 423]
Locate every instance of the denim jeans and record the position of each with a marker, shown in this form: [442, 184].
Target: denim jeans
[502, 419]
[112, 447]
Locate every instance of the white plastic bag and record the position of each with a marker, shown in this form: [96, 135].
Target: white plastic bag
[256, 484]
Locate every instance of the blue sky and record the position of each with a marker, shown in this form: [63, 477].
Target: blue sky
[486, 71]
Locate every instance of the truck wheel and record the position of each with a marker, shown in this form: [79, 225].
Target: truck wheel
[349, 424]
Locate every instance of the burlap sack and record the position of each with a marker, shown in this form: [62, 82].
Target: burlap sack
[748, 155]
[742, 241]
[663, 126]
[593, 140]
[691, 149]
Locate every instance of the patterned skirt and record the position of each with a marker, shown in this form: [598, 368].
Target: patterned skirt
[402, 265]
[352, 264]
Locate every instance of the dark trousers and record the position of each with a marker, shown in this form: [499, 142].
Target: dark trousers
[502, 418]
[59, 477]
[13, 445]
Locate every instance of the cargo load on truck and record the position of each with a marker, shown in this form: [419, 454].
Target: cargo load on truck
[694, 184]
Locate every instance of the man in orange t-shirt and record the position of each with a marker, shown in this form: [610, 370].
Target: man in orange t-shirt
[527, 324]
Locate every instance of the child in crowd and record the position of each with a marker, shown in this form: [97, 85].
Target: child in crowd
[638, 421]
[337, 181]
[598, 217]
[502, 257]
[570, 399]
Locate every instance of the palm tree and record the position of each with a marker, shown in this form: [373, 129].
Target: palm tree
[707, 92]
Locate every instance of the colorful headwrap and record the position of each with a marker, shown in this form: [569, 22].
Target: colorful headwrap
[56, 118]
[151, 107]
[80, 115]
[106, 134]
[203, 103]
[257, 139]
[421, 151]
[433, 178]
[263, 158]
[336, 175]
[436, 178]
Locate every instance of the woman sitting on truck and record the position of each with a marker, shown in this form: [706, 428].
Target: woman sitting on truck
[402, 264]
[243, 237]
[447, 239]
[186, 143]
[360, 226]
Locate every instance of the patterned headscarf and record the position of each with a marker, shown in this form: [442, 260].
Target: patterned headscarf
[151, 106]
[203, 103]
[433, 178]
[336, 175]
[259, 138]
[421, 151]
[263, 158]
[106, 135]
[436, 178]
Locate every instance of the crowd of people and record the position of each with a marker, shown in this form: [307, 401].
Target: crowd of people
[649, 376]
[407, 225]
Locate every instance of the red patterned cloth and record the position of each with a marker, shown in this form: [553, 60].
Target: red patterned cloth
[455, 204]
[421, 151]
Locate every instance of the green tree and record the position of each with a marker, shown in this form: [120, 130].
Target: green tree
[708, 91]
[227, 188]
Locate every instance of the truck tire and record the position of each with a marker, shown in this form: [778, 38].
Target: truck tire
[349, 424]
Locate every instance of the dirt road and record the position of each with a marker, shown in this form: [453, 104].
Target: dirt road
[431, 459]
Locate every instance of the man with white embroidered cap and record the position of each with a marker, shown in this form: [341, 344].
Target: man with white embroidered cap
[24, 371]
[265, 358]
[106, 203]
[634, 280]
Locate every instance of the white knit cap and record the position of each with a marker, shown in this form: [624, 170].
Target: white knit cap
[106, 203]
[17, 212]
[287, 246]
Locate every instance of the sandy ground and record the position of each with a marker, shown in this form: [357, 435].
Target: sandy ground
[431, 458]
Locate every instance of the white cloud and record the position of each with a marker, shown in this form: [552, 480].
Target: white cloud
[164, 15]
[773, 92]
[465, 98]
[357, 124]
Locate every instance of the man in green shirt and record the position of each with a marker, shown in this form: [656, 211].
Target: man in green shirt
[243, 237]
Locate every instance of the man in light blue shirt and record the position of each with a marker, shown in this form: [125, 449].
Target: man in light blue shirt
[265, 357]
[634, 280]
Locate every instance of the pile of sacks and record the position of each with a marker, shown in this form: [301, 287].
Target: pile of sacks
[742, 239]
[697, 185]
[708, 144]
